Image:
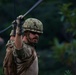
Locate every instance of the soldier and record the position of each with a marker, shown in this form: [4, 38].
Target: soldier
[27, 35]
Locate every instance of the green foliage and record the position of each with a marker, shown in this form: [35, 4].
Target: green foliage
[1, 71]
[65, 52]
[68, 15]
[67, 72]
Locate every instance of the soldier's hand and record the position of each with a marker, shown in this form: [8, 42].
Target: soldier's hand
[14, 25]
[20, 20]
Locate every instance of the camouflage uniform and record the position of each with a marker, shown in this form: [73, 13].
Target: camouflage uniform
[8, 57]
[22, 55]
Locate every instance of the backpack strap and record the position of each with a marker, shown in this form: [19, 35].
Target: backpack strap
[27, 64]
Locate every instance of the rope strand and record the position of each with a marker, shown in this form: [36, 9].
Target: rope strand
[5, 29]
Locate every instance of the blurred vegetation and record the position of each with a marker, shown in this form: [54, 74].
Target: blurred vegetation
[57, 45]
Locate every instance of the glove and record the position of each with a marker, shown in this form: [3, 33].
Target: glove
[14, 25]
[19, 21]
[13, 31]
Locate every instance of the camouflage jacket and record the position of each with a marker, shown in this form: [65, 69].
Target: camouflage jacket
[21, 57]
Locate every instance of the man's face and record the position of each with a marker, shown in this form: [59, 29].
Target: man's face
[33, 37]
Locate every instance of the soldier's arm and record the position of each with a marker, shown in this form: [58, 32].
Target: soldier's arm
[18, 40]
[20, 50]
[18, 36]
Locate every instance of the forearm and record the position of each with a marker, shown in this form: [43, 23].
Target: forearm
[18, 39]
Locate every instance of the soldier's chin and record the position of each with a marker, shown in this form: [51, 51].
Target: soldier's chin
[35, 41]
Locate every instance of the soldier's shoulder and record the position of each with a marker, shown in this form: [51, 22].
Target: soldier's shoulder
[9, 43]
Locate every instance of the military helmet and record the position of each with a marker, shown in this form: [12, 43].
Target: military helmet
[33, 24]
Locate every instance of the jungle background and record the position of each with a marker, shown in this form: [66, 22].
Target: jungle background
[57, 45]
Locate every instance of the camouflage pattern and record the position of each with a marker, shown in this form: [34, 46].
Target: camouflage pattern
[9, 67]
[21, 56]
[32, 24]
[12, 33]
[10, 43]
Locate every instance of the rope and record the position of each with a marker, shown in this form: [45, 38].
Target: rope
[39, 1]
[5, 29]
[10, 25]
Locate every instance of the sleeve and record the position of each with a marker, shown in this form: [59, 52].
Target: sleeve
[22, 54]
[9, 43]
